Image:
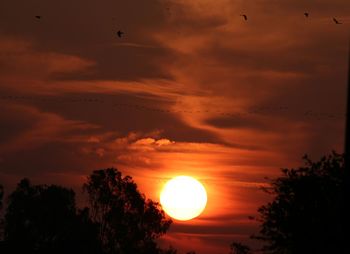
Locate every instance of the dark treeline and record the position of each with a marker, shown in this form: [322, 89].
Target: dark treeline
[304, 215]
[119, 219]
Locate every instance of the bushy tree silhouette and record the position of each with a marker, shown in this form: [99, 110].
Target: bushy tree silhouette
[304, 215]
[129, 224]
[1, 218]
[43, 219]
[239, 248]
[170, 250]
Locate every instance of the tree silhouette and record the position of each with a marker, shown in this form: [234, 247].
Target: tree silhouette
[43, 219]
[170, 250]
[239, 248]
[304, 215]
[1, 219]
[128, 222]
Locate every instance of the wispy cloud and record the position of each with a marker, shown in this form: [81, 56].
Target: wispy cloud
[192, 88]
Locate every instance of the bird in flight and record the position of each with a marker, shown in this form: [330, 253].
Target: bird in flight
[120, 33]
[337, 21]
[306, 14]
[38, 17]
[244, 16]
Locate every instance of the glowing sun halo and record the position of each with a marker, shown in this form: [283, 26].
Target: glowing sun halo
[183, 198]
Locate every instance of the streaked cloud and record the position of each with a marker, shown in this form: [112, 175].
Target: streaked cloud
[192, 88]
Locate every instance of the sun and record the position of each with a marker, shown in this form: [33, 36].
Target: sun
[183, 198]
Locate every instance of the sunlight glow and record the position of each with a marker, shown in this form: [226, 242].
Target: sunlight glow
[183, 198]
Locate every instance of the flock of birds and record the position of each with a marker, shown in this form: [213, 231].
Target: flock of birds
[258, 110]
[120, 33]
[306, 14]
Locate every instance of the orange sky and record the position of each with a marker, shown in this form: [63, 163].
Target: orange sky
[191, 89]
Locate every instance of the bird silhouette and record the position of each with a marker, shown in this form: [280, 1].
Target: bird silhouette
[244, 16]
[337, 21]
[306, 14]
[120, 33]
[38, 17]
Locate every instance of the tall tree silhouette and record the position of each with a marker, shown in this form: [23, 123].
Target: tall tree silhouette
[43, 219]
[129, 224]
[304, 215]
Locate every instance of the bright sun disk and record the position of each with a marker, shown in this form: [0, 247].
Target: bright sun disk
[183, 198]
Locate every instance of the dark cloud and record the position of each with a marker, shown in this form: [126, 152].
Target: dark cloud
[123, 113]
[123, 63]
[88, 29]
[191, 88]
[13, 124]
[232, 229]
[51, 158]
[236, 122]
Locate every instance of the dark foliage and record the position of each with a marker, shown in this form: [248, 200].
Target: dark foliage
[1, 219]
[43, 219]
[170, 250]
[239, 248]
[129, 224]
[304, 215]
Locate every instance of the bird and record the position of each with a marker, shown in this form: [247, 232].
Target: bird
[120, 33]
[38, 17]
[306, 14]
[244, 16]
[337, 21]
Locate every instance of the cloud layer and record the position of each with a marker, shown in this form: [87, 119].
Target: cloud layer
[192, 88]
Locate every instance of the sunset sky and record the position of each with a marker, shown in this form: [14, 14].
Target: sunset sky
[191, 88]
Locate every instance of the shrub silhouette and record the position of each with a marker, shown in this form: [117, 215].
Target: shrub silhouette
[44, 219]
[304, 215]
[1, 219]
[128, 223]
[239, 248]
